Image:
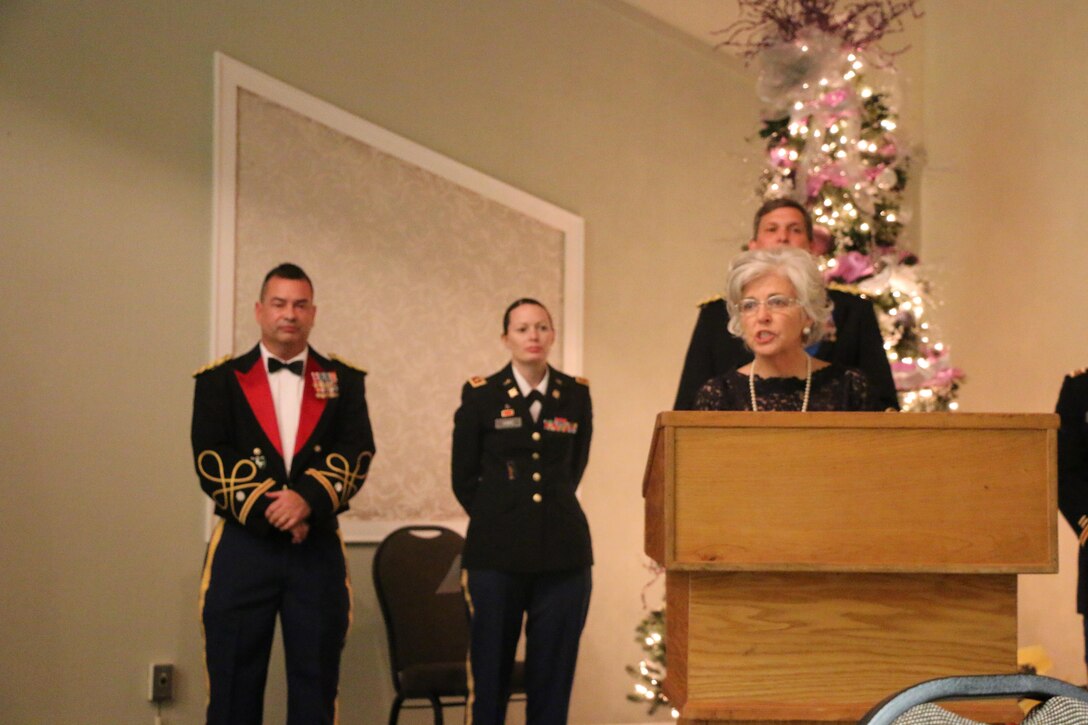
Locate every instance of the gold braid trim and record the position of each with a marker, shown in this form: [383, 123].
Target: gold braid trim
[339, 472]
[240, 479]
[255, 497]
[205, 582]
[1083, 536]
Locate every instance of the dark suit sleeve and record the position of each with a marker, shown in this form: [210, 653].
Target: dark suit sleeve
[872, 359]
[466, 457]
[1072, 451]
[227, 475]
[341, 470]
[710, 353]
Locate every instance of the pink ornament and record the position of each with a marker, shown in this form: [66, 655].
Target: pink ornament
[852, 266]
[835, 98]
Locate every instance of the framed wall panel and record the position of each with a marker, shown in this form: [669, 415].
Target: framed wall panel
[414, 256]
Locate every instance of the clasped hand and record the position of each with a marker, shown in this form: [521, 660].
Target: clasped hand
[289, 512]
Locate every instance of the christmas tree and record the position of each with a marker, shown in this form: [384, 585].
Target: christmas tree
[831, 133]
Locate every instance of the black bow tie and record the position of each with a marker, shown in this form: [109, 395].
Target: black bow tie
[274, 365]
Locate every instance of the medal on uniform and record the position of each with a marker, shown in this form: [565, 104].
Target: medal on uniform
[326, 384]
[560, 425]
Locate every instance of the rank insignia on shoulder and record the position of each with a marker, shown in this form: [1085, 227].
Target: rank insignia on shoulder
[477, 382]
[211, 366]
[850, 289]
[1077, 373]
[345, 363]
[582, 381]
[708, 300]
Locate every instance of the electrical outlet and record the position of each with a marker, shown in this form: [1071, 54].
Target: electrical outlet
[160, 686]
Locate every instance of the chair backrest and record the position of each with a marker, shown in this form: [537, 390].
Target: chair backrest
[973, 687]
[416, 577]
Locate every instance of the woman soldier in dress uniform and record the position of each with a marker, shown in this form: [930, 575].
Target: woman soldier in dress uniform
[520, 445]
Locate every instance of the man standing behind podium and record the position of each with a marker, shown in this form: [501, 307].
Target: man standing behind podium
[853, 341]
[281, 440]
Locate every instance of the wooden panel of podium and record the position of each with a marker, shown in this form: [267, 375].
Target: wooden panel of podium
[816, 563]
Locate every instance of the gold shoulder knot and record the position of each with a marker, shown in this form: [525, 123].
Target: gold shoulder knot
[212, 365]
[581, 381]
[345, 363]
[476, 381]
[708, 300]
[850, 289]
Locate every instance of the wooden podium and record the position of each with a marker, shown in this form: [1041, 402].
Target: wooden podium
[816, 563]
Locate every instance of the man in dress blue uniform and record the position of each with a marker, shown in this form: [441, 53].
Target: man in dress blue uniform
[1073, 475]
[854, 340]
[281, 441]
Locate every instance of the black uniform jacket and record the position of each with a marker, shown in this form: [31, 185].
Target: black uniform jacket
[236, 442]
[1073, 469]
[855, 342]
[517, 479]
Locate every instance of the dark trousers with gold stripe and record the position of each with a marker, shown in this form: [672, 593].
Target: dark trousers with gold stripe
[248, 581]
[554, 607]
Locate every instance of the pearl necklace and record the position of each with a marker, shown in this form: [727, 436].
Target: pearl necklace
[808, 384]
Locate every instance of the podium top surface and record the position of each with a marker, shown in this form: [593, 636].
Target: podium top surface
[879, 492]
[770, 419]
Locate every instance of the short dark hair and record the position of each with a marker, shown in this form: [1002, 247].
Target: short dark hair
[772, 204]
[286, 271]
[518, 303]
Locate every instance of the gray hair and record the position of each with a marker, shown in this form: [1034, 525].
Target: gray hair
[795, 265]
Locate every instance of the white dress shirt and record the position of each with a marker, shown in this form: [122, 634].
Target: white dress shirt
[287, 398]
[526, 388]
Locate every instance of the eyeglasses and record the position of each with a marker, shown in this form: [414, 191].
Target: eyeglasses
[776, 304]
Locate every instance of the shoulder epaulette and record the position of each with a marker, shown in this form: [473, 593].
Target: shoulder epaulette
[708, 300]
[850, 289]
[212, 365]
[581, 381]
[477, 382]
[1078, 372]
[345, 363]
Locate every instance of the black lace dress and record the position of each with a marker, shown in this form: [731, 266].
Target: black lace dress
[833, 388]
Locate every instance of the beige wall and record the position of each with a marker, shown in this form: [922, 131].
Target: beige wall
[105, 162]
[105, 166]
[1004, 229]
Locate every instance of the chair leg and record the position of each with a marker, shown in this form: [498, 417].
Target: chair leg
[436, 704]
[394, 712]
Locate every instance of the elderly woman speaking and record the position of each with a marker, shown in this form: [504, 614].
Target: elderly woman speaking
[778, 305]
